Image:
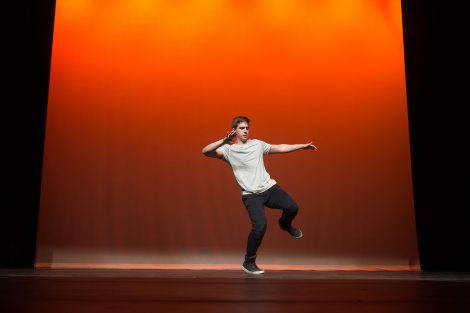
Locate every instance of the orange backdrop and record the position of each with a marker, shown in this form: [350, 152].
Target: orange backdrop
[139, 87]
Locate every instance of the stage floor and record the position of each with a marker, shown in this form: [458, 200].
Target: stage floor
[232, 291]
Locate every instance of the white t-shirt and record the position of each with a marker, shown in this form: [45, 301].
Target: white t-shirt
[248, 166]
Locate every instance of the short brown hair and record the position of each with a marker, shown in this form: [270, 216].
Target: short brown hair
[239, 119]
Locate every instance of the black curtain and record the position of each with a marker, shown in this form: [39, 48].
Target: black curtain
[436, 102]
[27, 47]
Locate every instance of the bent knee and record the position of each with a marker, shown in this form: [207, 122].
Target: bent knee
[293, 208]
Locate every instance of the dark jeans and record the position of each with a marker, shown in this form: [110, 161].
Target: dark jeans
[274, 198]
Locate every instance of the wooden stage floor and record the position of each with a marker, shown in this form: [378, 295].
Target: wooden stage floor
[223, 291]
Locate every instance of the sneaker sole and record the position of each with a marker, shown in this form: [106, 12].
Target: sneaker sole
[253, 273]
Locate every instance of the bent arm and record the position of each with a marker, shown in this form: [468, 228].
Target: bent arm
[285, 148]
[212, 150]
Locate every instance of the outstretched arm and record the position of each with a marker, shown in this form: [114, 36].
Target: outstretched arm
[284, 148]
[212, 150]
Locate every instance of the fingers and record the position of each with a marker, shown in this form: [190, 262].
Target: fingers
[230, 135]
[311, 146]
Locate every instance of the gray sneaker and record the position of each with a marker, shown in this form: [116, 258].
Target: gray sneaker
[295, 232]
[251, 268]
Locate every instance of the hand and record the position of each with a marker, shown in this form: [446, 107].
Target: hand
[228, 138]
[310, 146]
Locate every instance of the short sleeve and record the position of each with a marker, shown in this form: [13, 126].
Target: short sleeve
[224, 149]
[266, 146]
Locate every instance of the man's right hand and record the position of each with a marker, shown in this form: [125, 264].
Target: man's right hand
[229, 137]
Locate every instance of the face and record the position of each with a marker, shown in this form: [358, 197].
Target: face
[243, 131]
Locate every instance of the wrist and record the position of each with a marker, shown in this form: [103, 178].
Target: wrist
[225, 140]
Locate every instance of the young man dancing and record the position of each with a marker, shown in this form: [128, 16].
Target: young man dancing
[258, 189]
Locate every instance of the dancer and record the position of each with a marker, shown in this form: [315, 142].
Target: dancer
[258, 189]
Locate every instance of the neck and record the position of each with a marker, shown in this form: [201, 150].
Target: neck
[238, 141]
